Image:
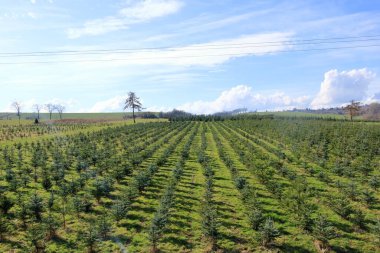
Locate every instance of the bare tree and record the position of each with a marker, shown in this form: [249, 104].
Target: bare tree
[373, 111]
[50, 108]
[60, 109]
[353, 108]
[17, 106]
[38, 108]
[133, 102]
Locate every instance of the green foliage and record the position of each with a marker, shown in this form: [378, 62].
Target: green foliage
[342, 206]
[240, 182]
[36, 206]
[90, 237]
[256, 218]
[323, 231]
[51, 223]
[5, 227]
[102, 188]
[120, 209]
[35, 236]
[358, 218]
[268, 233]
[210, 221]
[104, 227]
[5, 203]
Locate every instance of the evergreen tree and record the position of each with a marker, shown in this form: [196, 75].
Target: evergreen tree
[90, 237]
[210, 222]
[256, 218]
[36, 237]
[5, 203]
[268, 233]
[51, 225]
[323, 232]
[4, 227]
[103, 228]
[36, 206]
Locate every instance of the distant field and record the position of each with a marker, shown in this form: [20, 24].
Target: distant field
[12, 131]
[43, 116]
[304, 114]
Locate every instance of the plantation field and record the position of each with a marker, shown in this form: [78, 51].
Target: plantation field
[264, 185]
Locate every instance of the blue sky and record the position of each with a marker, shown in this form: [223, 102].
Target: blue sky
[203, 57]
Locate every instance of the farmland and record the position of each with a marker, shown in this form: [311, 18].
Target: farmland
[247, 185]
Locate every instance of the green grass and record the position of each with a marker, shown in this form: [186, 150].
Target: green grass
[304, 114]
[55, 116]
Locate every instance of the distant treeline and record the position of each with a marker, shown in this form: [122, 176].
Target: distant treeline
[367, 111]
[177, 115]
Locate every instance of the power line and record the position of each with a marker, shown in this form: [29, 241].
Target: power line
[187, 56]
[216, 47]
[196, 47]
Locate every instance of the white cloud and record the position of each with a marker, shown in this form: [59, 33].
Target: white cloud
[372, 99]
[203, 54]
[242, 96]
[137, 12]
[158, 109]
[149, 9]
[33, 1]
[110, 105]
[31, 15]
[338, 88]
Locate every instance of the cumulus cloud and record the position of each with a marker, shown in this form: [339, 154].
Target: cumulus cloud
[110, 105]
[242, 96]
[135, 12]
[338, 88]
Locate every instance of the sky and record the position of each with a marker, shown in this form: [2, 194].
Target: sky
[194, 55]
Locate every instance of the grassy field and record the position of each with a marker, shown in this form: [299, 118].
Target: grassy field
[46, 116]
[270, 185]
[120, 115]
[304, 114]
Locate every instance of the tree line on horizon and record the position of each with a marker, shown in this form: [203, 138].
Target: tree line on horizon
[354, 108]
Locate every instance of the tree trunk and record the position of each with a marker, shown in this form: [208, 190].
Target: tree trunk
[133, 114]
[64, 215]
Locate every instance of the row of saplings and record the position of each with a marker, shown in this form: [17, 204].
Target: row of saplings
[41, 227]
[297, 201]
[162, 214]
[210, 224]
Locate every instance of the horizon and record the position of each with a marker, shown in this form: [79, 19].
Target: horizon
[193, 56]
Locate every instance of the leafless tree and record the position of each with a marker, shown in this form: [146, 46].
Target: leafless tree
[373, 111]
[38, 108]
[133, 102]
[60, 109]
[353, 108]
[17, 106]
[50, 108]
